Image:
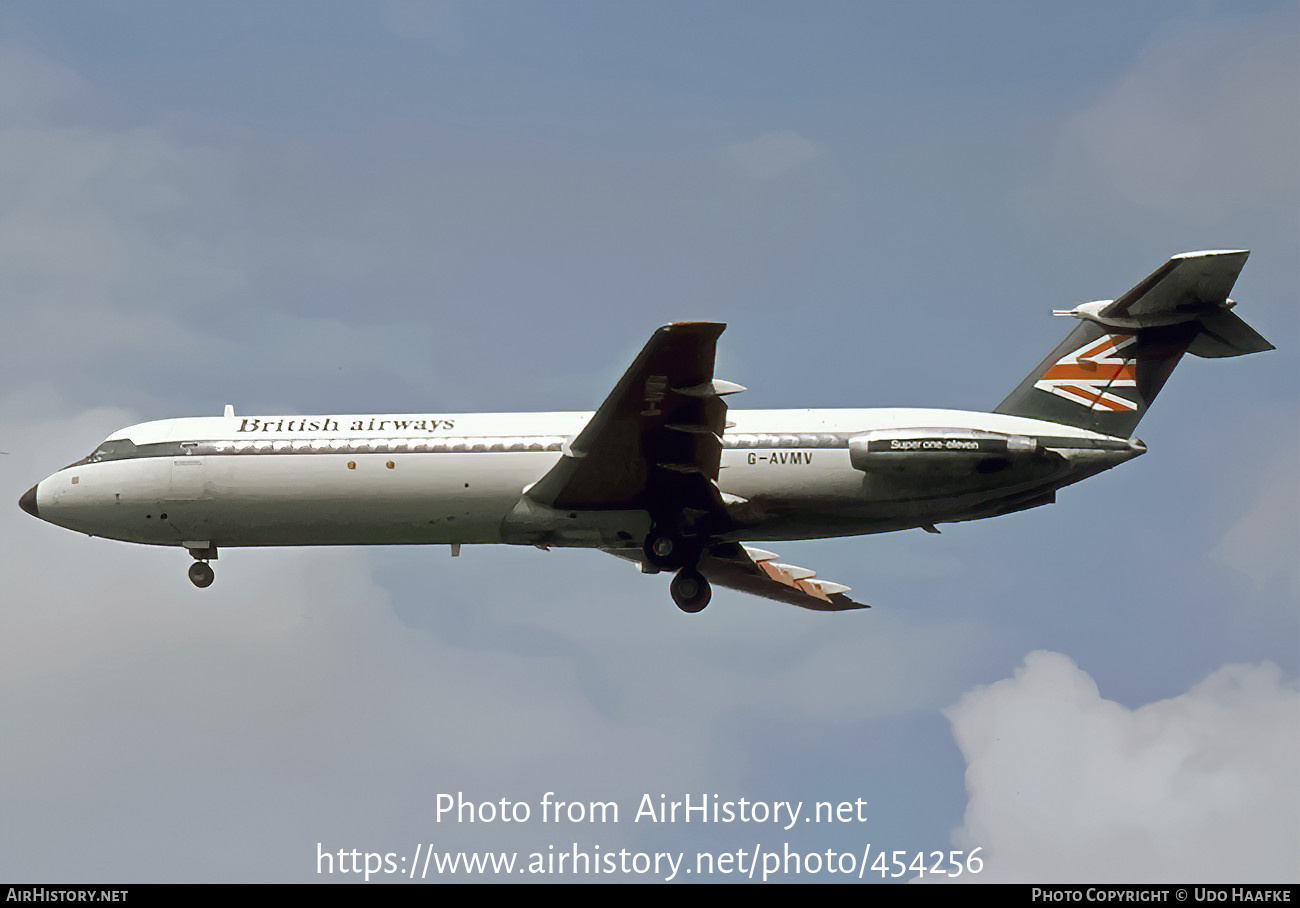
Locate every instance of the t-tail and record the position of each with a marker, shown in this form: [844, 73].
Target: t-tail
[1110, 368]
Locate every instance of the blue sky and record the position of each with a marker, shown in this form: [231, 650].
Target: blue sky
[450, 207]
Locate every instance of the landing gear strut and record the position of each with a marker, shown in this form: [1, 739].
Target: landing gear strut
[691, 590]
[668, 551]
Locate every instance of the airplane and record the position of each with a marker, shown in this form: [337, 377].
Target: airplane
[663, 473]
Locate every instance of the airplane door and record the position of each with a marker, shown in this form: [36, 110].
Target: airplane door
[187, 475]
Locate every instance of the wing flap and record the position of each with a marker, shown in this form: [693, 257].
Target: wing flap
[757, 572]
[754, 571]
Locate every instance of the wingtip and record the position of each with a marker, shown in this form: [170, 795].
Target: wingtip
[843, 603]
[1203, 253]
[697, 326]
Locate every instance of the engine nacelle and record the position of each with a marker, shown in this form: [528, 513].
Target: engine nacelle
[939, 461]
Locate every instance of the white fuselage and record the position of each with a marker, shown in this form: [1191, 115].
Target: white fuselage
[455, 478]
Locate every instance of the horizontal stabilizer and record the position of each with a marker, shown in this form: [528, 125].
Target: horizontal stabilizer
[715, 388]
[1225, 334]
[1190, 284]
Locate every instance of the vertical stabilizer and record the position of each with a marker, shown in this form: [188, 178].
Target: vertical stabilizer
[1110, 368]
[1100, 379]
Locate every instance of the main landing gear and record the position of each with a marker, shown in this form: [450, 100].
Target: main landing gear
[201, 573]
[691, 590]
[666, 551]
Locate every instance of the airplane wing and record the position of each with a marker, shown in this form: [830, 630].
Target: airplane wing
[754, 571]
[751, 570]
[655, 443]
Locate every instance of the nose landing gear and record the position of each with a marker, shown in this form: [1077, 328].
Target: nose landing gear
[200, 573]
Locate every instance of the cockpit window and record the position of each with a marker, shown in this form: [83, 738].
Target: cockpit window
[110, 450]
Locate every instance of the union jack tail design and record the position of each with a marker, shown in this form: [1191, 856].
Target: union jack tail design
[1100, 378]
[1087, 375]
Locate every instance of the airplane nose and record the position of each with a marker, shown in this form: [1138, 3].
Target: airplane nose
[28, 501]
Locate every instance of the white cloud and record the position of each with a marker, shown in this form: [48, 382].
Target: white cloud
[434, 23]
[1263, 544]
[771, 155]
[1202, 126]
[31, 84]
[1065, 786]
[93, 261]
